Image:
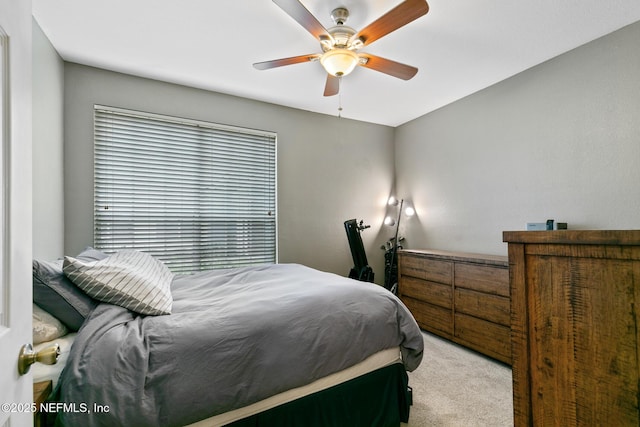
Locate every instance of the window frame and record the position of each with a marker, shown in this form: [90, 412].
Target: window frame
[201, 133]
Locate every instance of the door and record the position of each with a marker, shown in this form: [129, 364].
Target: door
[16, 392]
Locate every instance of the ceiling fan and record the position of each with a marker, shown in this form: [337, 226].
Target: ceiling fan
[340, 43]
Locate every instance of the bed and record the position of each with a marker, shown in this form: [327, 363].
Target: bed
[272, 345]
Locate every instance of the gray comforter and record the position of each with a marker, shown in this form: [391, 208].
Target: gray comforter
[234, 337]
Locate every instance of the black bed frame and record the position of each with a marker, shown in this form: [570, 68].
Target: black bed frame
[381, 398]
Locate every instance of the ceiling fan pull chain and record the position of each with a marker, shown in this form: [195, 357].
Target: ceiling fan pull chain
[340, 99]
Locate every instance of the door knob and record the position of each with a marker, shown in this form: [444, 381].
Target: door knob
[27, 357]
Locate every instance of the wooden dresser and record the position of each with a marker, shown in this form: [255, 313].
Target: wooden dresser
[459, 296]
[574, 324]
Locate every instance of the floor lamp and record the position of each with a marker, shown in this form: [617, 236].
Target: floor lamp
[409, 211]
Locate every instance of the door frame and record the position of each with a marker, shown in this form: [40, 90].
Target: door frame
[15, 209]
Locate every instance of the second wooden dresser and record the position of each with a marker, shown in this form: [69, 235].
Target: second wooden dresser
[459, 296]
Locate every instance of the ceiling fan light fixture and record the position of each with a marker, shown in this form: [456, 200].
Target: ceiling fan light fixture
[339, 62]
[340, 43]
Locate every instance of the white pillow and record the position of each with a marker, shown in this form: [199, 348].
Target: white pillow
[130, 279]
[45, 326]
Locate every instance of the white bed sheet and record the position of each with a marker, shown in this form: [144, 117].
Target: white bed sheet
[376, 361]
[42, 372]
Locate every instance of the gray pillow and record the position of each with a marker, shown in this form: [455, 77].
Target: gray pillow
[129, 278]
[55, 293]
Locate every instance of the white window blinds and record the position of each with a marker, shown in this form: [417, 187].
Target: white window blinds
[196, 195]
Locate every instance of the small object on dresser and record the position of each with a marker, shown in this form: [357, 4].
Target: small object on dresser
[533, 226]
[548, 225]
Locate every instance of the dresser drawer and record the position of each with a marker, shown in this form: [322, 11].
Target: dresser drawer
[431, 317]
[487, 337]
[427, 269]
[484, 306]
[409, 265]
[424, 290]
[461, 296]
[489, 279]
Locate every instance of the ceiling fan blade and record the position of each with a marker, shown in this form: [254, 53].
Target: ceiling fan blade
[301, 14]
[285, 61]
[332, 87]
[387, 66]
[405, 12]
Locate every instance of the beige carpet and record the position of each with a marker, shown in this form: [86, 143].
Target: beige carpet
[457, 387]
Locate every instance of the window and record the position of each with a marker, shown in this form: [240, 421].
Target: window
[197, 195]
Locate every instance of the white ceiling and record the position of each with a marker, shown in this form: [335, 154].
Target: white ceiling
[460, 46]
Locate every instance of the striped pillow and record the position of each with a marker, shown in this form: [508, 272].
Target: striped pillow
[130, 279]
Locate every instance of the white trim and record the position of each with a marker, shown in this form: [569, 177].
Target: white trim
[5, 153]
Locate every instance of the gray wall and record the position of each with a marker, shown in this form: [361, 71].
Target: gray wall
[48, 185]
[329, 169]
[560, 140]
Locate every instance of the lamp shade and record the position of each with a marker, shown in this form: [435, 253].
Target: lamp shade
[339, 62]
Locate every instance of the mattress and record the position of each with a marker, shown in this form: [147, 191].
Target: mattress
[42, 372]
[376, 361]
